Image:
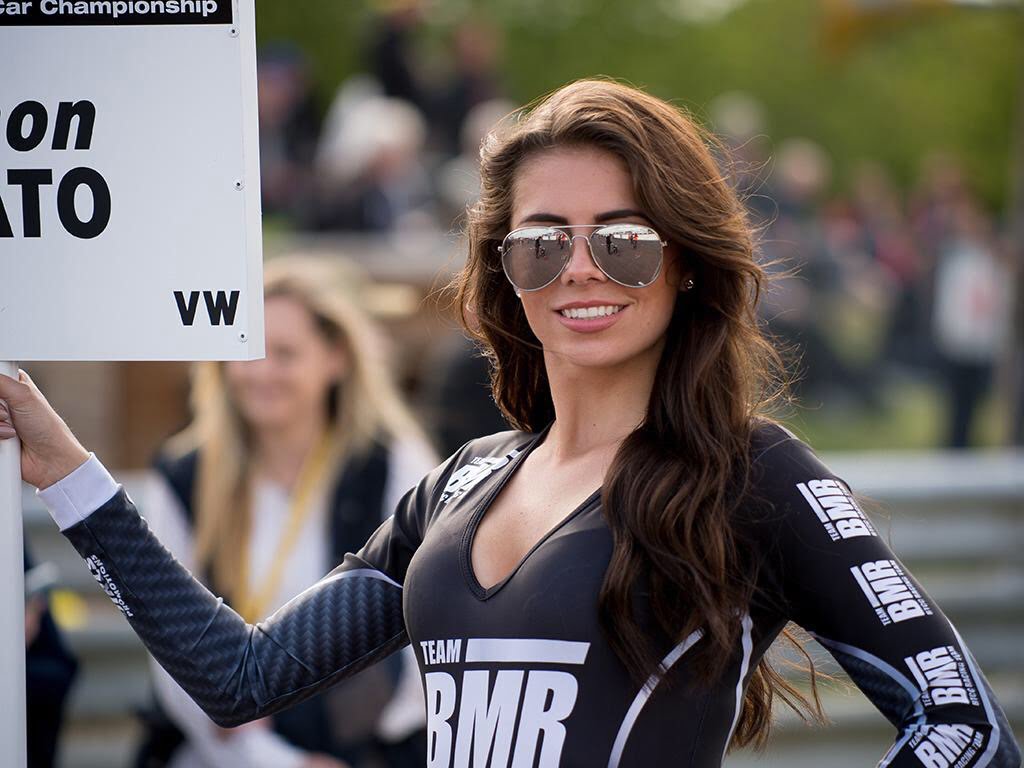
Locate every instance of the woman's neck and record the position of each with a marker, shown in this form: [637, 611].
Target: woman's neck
[597, 408]
[280, 451]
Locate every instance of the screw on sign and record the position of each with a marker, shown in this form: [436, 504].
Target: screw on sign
[26, 129]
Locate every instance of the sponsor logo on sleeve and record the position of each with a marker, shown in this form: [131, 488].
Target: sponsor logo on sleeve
[943, 677]
[513, 710]
[835, 507]
[468, 476]
[890, 592]
[100, 573]
[946, 746]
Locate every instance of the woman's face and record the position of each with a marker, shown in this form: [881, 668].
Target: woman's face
[290, 384]
[588, 185]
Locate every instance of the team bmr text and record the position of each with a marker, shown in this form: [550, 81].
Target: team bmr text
[28, 126]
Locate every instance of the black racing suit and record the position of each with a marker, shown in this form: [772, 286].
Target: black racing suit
[520, 674]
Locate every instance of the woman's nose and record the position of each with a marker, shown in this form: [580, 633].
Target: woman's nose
[581, 266]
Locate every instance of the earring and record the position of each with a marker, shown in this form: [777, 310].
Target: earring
[688, 285]
[519, 293]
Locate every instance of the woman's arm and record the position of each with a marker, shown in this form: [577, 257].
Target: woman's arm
[257, 747]
[237, 671]
[838, 579]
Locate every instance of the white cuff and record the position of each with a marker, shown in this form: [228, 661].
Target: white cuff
[79, 493]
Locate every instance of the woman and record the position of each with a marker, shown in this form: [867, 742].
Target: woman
[556, 624]
[317, 444]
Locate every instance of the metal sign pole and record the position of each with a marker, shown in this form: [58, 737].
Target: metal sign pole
[12, 600]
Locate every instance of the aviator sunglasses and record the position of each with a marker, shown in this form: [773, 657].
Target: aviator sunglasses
[629, 254]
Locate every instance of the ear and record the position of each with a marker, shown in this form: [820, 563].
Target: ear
[677, 268]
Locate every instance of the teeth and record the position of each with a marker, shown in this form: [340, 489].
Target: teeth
[584, 312]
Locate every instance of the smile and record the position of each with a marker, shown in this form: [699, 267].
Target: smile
[582, 313]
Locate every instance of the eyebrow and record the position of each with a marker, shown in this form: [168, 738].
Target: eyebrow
[620, 213]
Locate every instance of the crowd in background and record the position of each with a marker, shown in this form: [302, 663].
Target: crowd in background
[873, 284]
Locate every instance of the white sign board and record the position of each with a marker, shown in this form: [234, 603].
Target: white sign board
[129, 181]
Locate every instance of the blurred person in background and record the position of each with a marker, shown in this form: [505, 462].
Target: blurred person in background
[968, 287]
[443, 85]
[288, 128]
[370, 174]
[458, 179]
[472, 80]
[50, 669]
[290, 462]
[940, 189]
[886, 236]
[390, 54]
[807, 276]
[971, 314]
[857, 303]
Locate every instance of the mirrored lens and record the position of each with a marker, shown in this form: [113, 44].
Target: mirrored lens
[629, 254]
[533, 256]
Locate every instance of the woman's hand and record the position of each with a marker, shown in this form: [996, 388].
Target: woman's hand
[49, 450]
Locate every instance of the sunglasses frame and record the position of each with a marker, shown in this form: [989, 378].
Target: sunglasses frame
[503, 250]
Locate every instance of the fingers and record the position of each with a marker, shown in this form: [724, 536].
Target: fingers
[6, 424]
[16, 390]
[13, 393]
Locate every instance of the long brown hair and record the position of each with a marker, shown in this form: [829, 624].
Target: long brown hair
[366, 406]
[676, 482]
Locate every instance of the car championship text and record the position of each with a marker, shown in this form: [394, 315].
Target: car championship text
[102, 12]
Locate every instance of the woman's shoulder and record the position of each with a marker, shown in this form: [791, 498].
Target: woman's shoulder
[498, 445]
[774, 445]
[788, 481]
[783, 467]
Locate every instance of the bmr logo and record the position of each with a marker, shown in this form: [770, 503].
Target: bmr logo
[943, 677]
[836, 509]
[512, 718]
[219, 306]
[889, 591]
[467, 477]
[946, 746]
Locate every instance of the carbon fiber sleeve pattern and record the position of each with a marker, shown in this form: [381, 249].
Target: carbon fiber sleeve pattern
[236, 671]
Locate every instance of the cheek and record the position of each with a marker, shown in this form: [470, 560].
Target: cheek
[311, 375]
[537, 313]
[238, 376]
[657, 311]
[665, 307]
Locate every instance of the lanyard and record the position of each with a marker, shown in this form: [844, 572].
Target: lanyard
[251, 604]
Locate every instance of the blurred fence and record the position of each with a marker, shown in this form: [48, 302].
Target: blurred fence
[955, 519]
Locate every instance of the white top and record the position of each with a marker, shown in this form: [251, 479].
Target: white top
[254, 745]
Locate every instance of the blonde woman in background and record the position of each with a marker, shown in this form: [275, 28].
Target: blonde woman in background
[290, 461]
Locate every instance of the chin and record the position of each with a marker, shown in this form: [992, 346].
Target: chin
[596, 354]
[265, 417]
